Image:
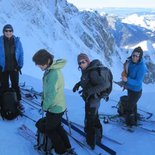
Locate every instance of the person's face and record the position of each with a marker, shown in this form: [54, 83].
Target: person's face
[135, 57]
[83, 64]
[8, 33]
[43, 67]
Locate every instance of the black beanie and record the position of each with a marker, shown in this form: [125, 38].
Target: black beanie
[138, 50]
[7, 26]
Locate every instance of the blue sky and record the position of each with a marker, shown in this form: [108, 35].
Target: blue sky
[113, 3]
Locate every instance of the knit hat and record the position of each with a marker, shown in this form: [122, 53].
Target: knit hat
[83, 56]
[138, 50]
[7, 26]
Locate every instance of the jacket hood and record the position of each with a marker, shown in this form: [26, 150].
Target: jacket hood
[58, 64]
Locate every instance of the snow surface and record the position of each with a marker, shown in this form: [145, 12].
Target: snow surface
[139, 142]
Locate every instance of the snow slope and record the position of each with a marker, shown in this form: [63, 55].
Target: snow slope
[139, 142]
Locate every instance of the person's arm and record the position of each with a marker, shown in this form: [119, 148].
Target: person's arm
[139, 78]
[20, 52]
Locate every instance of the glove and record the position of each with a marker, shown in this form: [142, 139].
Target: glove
[76, 87]
[106, 98]
[18, 68]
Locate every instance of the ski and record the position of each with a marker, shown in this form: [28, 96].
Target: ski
[82, 145]
[105, 148]
[28, 134]
[148, 114]
[102, 146]
[30, 90]
[129, 129]
[104, 136]
[120, 122]
[115, 118]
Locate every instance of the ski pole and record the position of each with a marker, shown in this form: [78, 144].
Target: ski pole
[145, 111]
[149, 113]
[69, 125]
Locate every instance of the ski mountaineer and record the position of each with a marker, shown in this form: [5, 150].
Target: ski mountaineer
[135, 70]
[11, 61]
[91, 84]
[53, 101]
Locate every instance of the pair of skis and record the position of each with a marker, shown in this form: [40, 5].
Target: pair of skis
[119, 121]
[35, 105]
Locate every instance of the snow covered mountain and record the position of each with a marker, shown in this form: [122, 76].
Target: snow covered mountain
[136, 29]
[60, 28]
[65, 31]
[127, 34]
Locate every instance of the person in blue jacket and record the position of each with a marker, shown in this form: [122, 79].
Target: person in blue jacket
[11, 60]
[135, 74]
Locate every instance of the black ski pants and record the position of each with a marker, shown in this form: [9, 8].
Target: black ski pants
[92, 122]
[133, 98]
[56, 132]
[13, 76]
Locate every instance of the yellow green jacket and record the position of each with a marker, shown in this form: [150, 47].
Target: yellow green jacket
[53, 88]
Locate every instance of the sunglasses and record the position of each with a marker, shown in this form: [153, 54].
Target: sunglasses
[8, 30]
[81, 62]
[134, 55]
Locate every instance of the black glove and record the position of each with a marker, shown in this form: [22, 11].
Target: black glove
[18, 68]
[76, 87]
[106, 98]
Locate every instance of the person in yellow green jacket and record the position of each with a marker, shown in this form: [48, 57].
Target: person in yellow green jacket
[53, 100]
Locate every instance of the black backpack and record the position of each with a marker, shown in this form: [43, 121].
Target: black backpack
[9, 105]
[44, 143]
[122, 105]
[108, 81]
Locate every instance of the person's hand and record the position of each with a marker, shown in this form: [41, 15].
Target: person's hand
[124, 78]
[106, 98]
[76, 87]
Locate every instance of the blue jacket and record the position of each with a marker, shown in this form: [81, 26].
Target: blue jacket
[136, 72]
[18, 52]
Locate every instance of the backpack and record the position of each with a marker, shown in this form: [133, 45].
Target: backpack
[108, 81]
[122, 105]
[9, 105]
[44, 143]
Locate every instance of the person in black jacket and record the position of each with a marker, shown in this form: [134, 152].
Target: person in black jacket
[92, 84]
